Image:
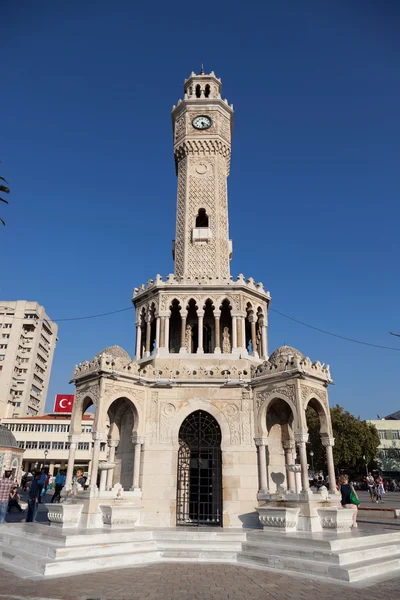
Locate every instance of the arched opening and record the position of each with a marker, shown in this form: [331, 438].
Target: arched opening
[199, 483]
[142, 325]
[208, 327]
[226, 327]
[207, 91]
[191, 334]
[259, 326]
[249, 318]
[317, 428]
[175, 327]
[202, 218]
[198, 91]
[152, 328]
[280, 444]
[121, 415]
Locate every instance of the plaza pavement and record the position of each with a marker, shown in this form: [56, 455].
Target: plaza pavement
[194, 581]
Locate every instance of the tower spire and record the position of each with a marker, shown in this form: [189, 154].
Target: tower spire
[202, 69]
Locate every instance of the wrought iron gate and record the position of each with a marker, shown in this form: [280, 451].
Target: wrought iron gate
[199, 489]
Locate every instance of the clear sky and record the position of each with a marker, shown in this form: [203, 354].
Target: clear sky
[86, 145]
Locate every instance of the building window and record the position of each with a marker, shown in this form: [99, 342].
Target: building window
[50, 428]
[396, 434]
[102, 446]
[31, 445]
[7, 325]
[57, 446]
[83, 445]
[44, 445]
[31, 427]
[25, 427]
[382, 434]
[44, 428]
[3, 346]
[2, 356]
[5, 336]
[21, 444]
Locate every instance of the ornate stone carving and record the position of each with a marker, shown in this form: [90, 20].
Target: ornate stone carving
[288, 390]
[226, 341]
[246, 418]
[166, 415]
[188, 338]
[307, 390]
[113, 389]
[153, 417]
[285, 518]
[233, 417]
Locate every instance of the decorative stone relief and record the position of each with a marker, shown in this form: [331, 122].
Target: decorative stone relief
[307, 390]
[180, 219]
[153, 417]
[92, 390]
[246, 417]
[167, 414]
[232, 414]
[115, 388]
[288, 390]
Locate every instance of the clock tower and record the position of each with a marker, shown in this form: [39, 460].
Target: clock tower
[202, 129]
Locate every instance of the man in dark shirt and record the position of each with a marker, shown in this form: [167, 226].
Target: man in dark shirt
[34, 493]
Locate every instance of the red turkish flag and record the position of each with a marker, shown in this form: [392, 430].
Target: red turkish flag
[64, 403]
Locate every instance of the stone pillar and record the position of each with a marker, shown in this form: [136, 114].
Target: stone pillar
[89, 472]
[217, 349]
[162, 332]
[234, 333]
[239, 332]
[111, 457]
[137, 442]
[183, 333]
[166, 335]
[148, 334]
[264, 342]
[138, 341]
[157, 333]
[200, 317]
[329, 442]
[95, 459]
[261, 443]
[243, 320]
[301, 440]
[253, 337]
[103, 480]
[73, 441]
[289, 447]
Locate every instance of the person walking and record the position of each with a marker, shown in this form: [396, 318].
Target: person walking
[59, 483]
[6, 485]
[346, 490]
[371, 486]
[14, 499]
[42, 483]
[33, 502]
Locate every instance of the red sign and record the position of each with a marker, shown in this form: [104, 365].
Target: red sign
[64, 403]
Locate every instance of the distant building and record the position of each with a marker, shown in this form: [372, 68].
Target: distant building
[389, 448]
[10, 454]
[27, 342]
[44, 440]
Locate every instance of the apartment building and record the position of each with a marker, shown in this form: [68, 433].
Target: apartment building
[27, 342]
[389, 448]
[44, 440]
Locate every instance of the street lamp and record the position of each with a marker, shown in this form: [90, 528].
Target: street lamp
[365, 462]
[312, 461]
[45, 456]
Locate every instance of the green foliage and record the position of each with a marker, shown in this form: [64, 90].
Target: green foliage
[354, 439]
[6, 190]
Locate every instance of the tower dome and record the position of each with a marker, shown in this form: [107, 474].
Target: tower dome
[284, 352]
[115, 352]
[7, 438]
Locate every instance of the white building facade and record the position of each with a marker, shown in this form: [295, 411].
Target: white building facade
[45, 442]
[389, 447]
[27, 342]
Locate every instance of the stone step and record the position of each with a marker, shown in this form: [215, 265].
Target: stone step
[199, 555]
[201, 545]
[106, 548]
[101, 562]
[196, 534]
[341, 557]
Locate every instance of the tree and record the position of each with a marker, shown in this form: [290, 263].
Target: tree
[354, 439]
[6, 190]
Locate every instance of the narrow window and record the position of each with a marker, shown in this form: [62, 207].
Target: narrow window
[202, 218]
[207, 91]
[198, 91]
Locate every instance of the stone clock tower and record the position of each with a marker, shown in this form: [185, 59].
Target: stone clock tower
[202, 127]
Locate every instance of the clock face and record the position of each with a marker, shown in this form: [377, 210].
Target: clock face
[202, 122]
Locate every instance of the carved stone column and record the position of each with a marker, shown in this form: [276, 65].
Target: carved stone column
[329, 442]
[253, 336]
[234, 333]
[261, 443]
[73, 441]
[157, 344]
[138, 341]
[239, 332]
[112, 444]
[289, 447]
[264, 342]
[183, 333]
[137, 442]
[162, 332]
[301, 439]
[200, 317]
[217, 348]
[97, 437]
[148, 334]
[166, 335]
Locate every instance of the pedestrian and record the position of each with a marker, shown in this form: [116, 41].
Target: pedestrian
[347, 490]
[42, 483]
[33, 502]
[371, 486]
[79, 478]
[59, 483]
[6, 485]
[14, 499]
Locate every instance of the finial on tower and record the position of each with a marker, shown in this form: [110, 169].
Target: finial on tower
[202, 69]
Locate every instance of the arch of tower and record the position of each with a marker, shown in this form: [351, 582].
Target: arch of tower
[202, 421]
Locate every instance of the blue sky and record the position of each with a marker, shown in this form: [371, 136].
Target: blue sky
[86, 145]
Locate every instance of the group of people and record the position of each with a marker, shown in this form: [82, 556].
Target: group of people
[36, 487]
[375, 486]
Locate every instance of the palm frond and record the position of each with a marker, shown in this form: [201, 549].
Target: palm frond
[3, 200]
[4, 188]
[2, 221]
[2, 178]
